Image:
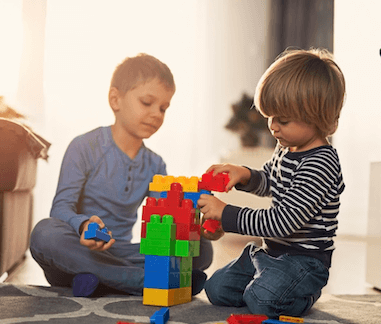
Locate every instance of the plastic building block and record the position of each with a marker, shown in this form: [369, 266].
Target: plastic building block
[167, 297]
[185, 217]
[160, 236]
[163, 183]
[214, 183]
[162, 272]
[290, 319]
[160, 317]
[246, 319]
[211, 225]
[194, 196]
[157, 247]
[272, 321]
[95, 233]
[187, 248]
[161, 228]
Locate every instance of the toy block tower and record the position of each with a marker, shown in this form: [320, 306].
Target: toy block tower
[170, 238]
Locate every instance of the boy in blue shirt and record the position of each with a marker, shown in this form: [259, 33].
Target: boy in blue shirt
[301, 94]
[104, 178]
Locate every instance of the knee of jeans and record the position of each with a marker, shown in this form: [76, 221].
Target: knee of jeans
[222, 295]
[43, 235]
[215, 291]
[262, 301]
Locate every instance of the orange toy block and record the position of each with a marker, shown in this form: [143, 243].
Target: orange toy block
[291, 319]
[167, 297]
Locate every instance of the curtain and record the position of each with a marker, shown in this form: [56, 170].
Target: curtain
[300, 23]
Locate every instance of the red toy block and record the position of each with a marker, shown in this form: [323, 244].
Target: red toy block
[211, 225]
[184, 215]
[246, 319]
[213, 183]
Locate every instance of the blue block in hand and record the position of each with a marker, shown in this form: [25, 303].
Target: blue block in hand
[94, 233]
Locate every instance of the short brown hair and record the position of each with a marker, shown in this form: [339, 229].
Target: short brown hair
[140, 69]
[303, 84]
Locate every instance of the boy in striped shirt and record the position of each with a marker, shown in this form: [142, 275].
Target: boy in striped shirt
[301, 94]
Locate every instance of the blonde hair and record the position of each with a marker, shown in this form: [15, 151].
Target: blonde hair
[140, 69]
[306, 85]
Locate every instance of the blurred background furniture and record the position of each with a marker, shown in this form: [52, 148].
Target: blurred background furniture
[20, 149]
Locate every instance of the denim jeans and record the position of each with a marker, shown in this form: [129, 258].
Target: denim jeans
[286, 285]
[55, 246]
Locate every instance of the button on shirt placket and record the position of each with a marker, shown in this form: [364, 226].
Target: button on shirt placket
[129, 179]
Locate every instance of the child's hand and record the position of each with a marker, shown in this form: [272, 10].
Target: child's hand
[211, 207]
[93, 244]
[237, 174]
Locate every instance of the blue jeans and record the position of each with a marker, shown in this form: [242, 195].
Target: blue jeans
[55, 246]
[286, 285]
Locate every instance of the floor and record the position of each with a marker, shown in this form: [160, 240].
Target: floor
[346, 276]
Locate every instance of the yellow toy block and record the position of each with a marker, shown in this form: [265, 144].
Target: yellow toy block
[291, 319]
[188, 184]
[163, 183]
[167, 297]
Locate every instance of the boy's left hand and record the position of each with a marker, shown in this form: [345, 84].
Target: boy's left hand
[211, 207]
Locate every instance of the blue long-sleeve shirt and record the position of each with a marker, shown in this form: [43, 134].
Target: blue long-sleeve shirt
[305, 188]
[97, 178]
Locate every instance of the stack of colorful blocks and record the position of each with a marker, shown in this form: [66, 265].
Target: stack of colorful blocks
[170, 236]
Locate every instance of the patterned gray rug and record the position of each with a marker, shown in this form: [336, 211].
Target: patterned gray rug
[29, 304]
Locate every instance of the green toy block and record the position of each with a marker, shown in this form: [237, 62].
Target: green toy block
[187, 248]
[161, 228]
[157, 247]
[186, 264]
[186, 279]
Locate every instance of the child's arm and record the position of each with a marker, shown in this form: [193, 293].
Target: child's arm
[75, 168]
[291, 209]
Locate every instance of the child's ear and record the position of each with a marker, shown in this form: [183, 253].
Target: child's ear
[113, 99]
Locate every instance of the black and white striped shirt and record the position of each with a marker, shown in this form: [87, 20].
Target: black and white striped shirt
[305, 188]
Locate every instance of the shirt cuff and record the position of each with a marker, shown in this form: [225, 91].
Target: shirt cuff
[229, 218]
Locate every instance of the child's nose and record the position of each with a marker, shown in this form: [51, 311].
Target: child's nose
[273, 125]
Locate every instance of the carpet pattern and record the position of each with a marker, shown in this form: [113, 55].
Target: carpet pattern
[30, 304]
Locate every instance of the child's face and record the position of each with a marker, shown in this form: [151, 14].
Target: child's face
[140, 111]
[297, 135]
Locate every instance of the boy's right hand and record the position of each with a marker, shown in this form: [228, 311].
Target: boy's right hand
[237, 174]
[92, 244]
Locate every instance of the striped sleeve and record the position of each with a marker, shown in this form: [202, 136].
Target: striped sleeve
[305, 197]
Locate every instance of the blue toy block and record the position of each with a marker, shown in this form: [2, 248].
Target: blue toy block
[161, 280]
[162, 272]
[94, 233]
[157, 263]
[272, 321]
[160, 317]
[194, 196]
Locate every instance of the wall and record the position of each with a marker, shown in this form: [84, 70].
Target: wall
[215, 50]
[357, 43]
